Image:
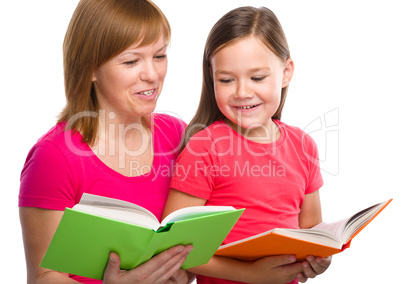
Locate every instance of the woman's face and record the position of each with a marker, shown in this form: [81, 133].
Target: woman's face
[130, 83]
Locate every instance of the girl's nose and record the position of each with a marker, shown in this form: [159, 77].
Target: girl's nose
[242, 91]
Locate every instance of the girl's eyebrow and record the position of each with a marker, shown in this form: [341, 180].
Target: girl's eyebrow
[223, 72]
[257, 69]
[265, 68]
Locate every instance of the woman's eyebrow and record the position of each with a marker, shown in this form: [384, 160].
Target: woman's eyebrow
[133, 52]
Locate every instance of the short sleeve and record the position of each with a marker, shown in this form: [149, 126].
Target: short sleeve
[170, 132]
[193, 169]
[310, 150]
[46, 179]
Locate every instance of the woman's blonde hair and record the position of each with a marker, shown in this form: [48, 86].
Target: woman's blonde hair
[98, 31]
[234, 26]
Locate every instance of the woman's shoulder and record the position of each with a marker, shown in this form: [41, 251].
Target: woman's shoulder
[168, 131]
[166, 121]
[167, 118]
[47, 176]
[60, 137]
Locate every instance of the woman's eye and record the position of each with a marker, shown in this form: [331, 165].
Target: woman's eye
[130, 63]
[161, 57]
[258, 78]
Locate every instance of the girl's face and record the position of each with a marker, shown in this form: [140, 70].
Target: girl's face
[130, 83]
[248, 79]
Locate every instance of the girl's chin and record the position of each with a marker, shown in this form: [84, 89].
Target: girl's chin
[248, 124]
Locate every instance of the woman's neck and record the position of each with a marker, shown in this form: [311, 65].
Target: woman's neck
[121, 144]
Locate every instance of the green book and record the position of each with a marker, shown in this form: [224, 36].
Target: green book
[89, 231]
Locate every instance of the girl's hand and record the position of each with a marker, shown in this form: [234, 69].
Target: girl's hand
[313, 266]
[163, 268]
[276, 269]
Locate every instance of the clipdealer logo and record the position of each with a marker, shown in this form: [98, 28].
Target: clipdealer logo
[325, 132]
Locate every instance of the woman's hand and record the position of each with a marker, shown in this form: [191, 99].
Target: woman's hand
[163, 268]
[313, 266]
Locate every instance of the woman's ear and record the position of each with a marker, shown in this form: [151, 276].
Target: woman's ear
[287, 72]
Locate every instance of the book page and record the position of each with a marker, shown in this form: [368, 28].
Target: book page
[194, 212]
[361, 219]
[345, 229]
[335, 228]
[118, 210]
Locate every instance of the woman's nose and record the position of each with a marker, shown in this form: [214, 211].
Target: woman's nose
[149, 72]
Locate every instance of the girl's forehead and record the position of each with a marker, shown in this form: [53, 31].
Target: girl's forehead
[250, 46]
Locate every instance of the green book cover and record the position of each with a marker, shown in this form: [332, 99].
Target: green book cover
[82, 242]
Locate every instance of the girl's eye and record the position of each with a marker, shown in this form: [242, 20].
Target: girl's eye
[225, 81]
[258, 78]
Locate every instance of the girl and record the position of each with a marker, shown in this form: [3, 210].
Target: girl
[107, 141]
[238, 152]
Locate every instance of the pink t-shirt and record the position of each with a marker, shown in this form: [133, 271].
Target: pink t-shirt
[269, 180]
[60, 168]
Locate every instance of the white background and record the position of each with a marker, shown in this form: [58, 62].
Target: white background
[348, 71]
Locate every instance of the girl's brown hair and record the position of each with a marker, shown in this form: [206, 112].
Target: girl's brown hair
[98, 31]
[233, 26]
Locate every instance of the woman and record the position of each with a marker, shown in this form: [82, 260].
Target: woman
[106, 141]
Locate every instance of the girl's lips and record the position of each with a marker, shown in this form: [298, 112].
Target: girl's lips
[246, 107]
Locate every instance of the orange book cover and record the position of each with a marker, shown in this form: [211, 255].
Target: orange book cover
[322, 240]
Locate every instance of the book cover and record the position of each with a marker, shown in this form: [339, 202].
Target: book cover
[82, 242]
[322, 240]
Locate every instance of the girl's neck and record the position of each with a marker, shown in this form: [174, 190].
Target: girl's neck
[264, 134]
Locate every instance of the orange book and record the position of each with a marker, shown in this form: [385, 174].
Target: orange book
[323, 240]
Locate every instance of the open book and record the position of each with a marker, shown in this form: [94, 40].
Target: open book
[89, 231]
[323, 240]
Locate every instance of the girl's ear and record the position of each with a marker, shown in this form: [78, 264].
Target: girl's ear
[288, 72]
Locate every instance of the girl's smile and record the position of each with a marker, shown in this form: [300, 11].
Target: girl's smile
[247, 107]
[248, 80]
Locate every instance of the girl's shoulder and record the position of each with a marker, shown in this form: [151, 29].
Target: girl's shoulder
[289, 128]
[292, 131]
[296, 135]
[216, 129]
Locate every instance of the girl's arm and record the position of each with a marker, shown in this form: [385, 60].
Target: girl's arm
[309, 216]
[310, 211]
[38, 227]
[274, 269]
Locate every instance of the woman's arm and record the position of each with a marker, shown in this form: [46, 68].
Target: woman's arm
[275, 269]
[38, 227]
